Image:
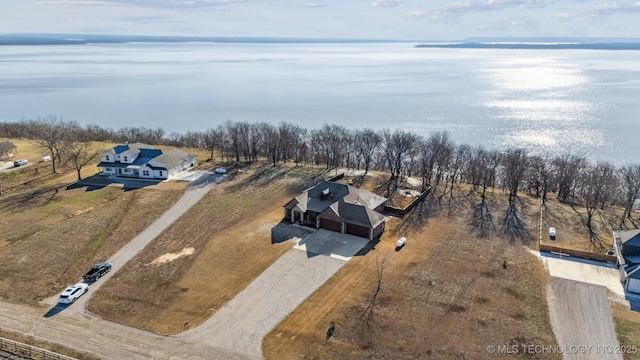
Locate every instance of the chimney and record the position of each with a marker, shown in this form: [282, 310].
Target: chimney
[325, 194]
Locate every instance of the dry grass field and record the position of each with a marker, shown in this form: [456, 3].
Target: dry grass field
[228, 236]
[628, 328]
[50, 238]
[52, 232]
[444, 295]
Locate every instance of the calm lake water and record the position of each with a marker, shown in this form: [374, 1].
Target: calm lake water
[549, 101]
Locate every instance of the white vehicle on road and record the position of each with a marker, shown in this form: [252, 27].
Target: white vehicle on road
[72, 293]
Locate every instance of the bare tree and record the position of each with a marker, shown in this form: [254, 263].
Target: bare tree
[50, 135]
[515, 163]
[235, 132]
[367, 144]
[630, 186]
[397, 147]
[368, 313]
[482, 169]
[80, 154]
[568, 168]
[461, 156]
[596, 188]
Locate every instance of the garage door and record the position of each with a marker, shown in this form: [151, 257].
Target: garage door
[331, 225]
[634, 285]
[357, 230]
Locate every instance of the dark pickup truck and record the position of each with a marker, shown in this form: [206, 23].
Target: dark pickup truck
[97, 271]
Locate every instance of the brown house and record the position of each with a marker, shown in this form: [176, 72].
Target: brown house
[338, 207]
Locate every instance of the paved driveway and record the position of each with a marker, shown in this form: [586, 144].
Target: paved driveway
[241, 324]
[591, 272]
[581, 320]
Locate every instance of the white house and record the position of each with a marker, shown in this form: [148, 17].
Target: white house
[144, 162]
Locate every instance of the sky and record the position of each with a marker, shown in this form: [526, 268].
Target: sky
[367, 19]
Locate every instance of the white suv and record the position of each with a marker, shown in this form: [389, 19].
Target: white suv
[72, 293]
[19, 163]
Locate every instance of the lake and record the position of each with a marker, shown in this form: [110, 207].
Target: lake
[548, 101]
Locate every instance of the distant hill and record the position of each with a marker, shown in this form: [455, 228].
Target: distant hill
[526, 45]
[78, 39]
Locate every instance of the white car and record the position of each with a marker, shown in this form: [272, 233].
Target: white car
[72, 293]
[20, 162]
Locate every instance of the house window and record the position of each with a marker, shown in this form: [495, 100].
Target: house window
[107, 158]
[125, 159]
[161, 173]
[145, 172]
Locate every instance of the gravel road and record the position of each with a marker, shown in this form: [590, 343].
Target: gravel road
[581, 320]
[103, 338]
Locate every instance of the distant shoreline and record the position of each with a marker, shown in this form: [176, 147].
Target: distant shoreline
[471, 43]
[83, 39]
[537, 46]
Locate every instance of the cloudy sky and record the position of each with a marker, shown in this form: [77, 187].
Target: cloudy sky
[386, 19]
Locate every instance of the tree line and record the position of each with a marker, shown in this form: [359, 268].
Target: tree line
[436, 159]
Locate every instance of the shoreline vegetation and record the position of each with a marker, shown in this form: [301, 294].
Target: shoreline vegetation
[436, 160]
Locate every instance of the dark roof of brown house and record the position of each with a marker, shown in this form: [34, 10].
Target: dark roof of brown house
[351, 204]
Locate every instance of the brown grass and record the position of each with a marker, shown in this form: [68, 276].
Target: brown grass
[445, 295]
[627, 324]
[230, 230]
[50, 238]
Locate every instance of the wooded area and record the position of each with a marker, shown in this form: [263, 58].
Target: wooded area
[437, 160]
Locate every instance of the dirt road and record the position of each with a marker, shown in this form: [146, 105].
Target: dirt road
[103, 338]
[581, 320]
[194, 193]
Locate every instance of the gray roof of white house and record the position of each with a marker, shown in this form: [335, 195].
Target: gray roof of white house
[146, 154]
[173, 158]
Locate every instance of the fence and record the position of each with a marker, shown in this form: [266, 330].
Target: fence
[578, 253]
[406, 209]
[29, 352]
